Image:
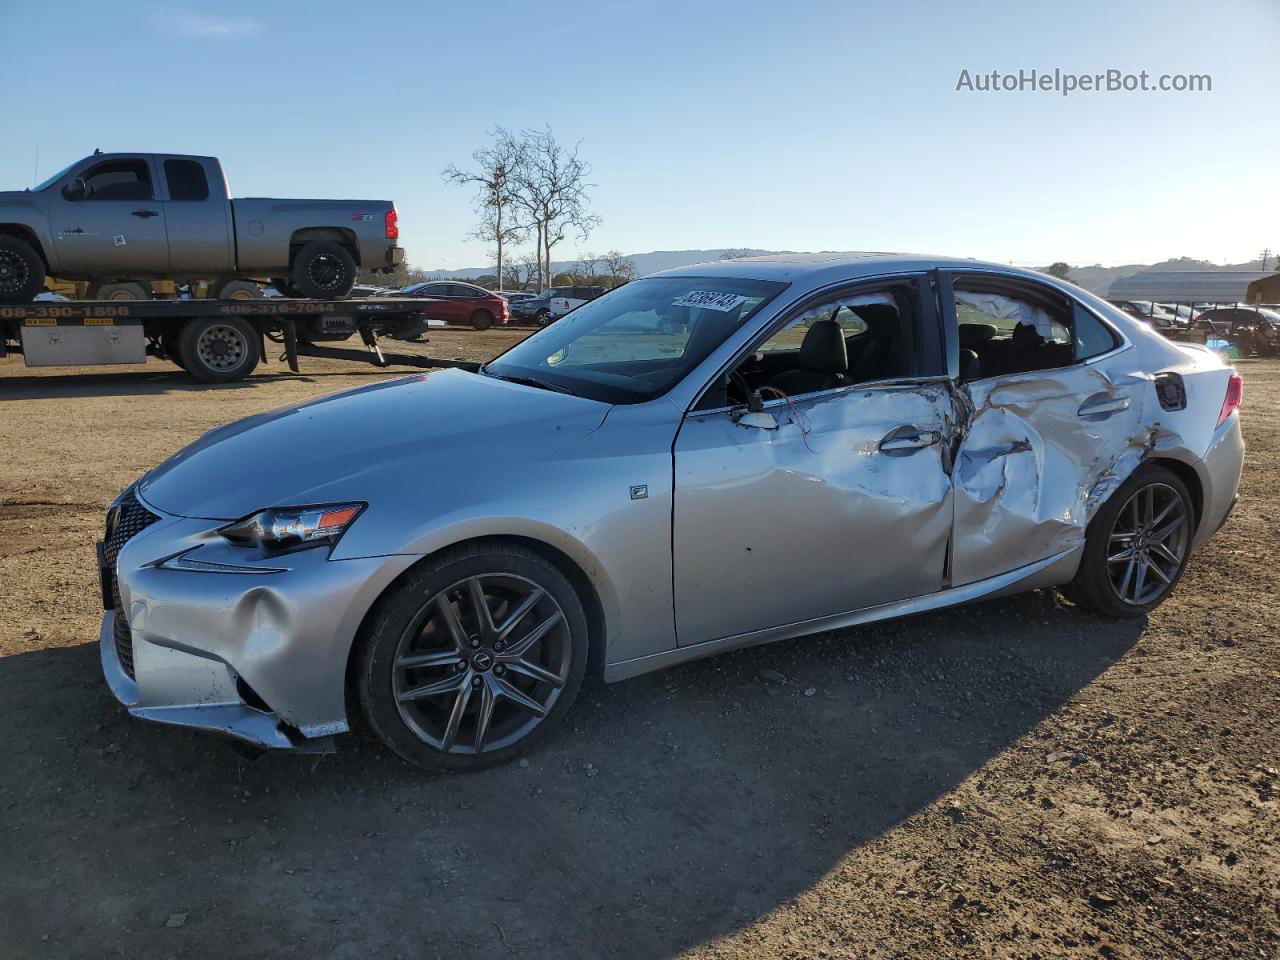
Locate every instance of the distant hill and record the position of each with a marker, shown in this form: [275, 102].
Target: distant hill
[1095, 278]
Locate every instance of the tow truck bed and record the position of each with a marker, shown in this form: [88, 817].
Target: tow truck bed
[214, 340]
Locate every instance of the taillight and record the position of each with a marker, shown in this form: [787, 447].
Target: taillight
[1235, 393]
[393, 225]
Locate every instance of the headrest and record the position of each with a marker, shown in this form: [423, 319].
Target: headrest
[881, 319]
[972, 334]
[1026, 333]
[824, 349]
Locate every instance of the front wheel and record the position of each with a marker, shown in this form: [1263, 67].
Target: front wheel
[323, 270]
[21, 271]
[542, 317]
[219, 349]
[1136, 547]
[482, 319]
[473, 658]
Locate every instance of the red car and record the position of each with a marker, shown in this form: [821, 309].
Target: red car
[460, 303]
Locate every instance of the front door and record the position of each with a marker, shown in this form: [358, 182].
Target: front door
[117, 227]
[846, 503]
[1056, 421]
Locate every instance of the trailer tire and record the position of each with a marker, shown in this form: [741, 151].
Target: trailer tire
[126, 290]
[219, 349]
[21, 271]
[323, 270]
[234, 290]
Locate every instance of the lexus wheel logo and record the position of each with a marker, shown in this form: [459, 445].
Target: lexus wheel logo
[482, 661]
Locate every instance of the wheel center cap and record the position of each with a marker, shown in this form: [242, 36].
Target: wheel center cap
[482, 661]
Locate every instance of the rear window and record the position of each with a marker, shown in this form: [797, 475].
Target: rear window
[187, 181]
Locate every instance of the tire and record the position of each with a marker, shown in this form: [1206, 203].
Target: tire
[21, 271]
[234, 290]
[542, 317]
[480, 669]
[482, 319]
[219, 349]
[323, 270]
[125, 290]
[1112, 581]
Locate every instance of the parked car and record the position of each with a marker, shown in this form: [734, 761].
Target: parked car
[1252, 329]
[570, 299]
[462, 303]
[537, 307]
[515, 296]
[811, 445]
[120, 220]
[1153, 314]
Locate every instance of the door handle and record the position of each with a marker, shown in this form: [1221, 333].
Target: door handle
[146, 213]
[1102, 405]
[908, 439]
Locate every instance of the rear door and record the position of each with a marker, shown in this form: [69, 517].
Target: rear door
[845, 502]
[197, 216]
[117, 229]
[1055, 421]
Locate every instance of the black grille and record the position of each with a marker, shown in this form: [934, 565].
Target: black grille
[124, 523]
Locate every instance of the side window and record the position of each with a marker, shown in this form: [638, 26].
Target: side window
[187, 182]
[119, 180]
[1092, 336]
[1013, 328]
[846, 339]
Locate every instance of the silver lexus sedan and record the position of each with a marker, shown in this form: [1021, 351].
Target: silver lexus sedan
[704, 459]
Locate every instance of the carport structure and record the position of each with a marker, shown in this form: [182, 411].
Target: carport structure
[1190, 287]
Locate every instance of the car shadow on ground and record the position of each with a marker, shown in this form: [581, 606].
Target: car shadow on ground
[670, 810]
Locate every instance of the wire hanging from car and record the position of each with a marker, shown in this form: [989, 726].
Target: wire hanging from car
[798, 418]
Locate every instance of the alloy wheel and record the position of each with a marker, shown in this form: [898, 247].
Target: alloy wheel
[1148, 544]
[325, 271]
[482, 663]
[13, 272]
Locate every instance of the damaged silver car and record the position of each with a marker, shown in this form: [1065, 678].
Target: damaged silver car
[703, 459]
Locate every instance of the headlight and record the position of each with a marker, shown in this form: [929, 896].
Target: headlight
[279, 529]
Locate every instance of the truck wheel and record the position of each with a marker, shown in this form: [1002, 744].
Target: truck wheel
[323, 270]
[21, 271]
[542, 317]
[482, 319]
[129, 290]
[234, 290]
[219, 349]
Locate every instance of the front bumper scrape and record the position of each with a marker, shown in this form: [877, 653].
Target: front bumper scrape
[195, 690]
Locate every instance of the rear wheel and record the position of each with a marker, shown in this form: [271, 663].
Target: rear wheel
[234, 290]
[126, 290]
[219, 349]
[323, 270]
[1136, 547]
[482, 319]
[21, 271]
[473, 658]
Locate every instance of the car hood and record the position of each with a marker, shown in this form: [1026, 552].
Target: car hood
[350, 445]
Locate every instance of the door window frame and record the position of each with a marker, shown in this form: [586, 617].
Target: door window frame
[928, 343]
[946, 278]
[153, 181]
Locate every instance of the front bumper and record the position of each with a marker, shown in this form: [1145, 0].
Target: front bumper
[261, 657]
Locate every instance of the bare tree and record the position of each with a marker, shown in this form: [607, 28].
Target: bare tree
[551, 189]
[586, 270]
[617, 268]
[496, 182]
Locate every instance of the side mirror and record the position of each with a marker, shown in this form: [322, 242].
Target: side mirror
[76, 189]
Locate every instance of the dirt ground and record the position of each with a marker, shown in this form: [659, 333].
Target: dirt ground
[1010, 780]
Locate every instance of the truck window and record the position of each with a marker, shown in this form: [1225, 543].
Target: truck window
[187, 182]
[119, 180]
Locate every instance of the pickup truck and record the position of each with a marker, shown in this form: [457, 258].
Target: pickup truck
[120, 220]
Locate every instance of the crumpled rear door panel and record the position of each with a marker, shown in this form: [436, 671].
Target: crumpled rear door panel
[1039, 452]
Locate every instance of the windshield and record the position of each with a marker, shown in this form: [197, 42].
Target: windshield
[638, 341]
[55, 178]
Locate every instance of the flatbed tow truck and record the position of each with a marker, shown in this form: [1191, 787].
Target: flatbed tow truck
[215, 341]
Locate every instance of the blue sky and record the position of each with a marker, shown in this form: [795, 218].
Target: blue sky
[805, 125]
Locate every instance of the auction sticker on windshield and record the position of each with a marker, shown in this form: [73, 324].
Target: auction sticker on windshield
[710, 300]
